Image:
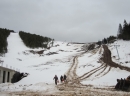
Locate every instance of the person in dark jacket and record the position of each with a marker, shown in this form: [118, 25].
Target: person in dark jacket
[56, 79]
[61, 78]
[65, 78]
[128, 78]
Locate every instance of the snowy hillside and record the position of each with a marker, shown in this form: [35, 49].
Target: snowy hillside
[67, 58]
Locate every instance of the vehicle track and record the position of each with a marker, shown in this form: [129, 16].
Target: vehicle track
[101, 71]
[92, 72]
[107, 71]
[98, 72]
[72, 76]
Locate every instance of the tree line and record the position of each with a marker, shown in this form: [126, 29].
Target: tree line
[30, 40]
[110, 39]
[124, 32]
[4, 33]
[34, 41]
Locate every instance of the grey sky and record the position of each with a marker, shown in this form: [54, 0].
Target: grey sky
[65, 20]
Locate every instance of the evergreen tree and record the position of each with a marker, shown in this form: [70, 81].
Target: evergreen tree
[105, 41]
[119, 30]
[99, 42]
[4, 33]
[125, 32]
[111, 39]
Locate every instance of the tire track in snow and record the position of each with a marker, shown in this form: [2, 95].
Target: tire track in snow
[73, 79]
[72, 71]
[107, 71]
[98, 72]
[90, 73]
[86, 75]
[101, 71]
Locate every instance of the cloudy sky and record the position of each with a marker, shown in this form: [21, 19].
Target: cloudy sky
[65, 20]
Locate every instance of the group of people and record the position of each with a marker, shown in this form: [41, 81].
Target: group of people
[123, 84]
[62, 79]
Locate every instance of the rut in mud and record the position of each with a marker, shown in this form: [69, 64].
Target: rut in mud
[74, 80]
[72, 71]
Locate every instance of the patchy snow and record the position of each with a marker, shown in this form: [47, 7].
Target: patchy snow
[42, 68]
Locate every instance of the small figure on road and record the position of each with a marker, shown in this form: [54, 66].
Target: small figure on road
[65, 78]
[56, 79]
[61, 78]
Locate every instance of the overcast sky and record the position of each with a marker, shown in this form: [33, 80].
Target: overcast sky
[65, 20]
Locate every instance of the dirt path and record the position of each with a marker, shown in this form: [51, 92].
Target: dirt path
[71, 74]
[100, 71]
[74, 81]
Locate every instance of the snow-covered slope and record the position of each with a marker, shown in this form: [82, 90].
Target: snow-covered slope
[42, 68]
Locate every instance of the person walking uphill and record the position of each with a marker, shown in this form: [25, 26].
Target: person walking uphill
[65, 78]
[61, 79]
[56, 79]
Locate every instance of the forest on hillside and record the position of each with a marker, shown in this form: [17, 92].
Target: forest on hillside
[30, 40]
[35, 41]
[4, 33]
[124, 32]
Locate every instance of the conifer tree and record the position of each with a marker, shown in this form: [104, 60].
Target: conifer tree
[119, 30]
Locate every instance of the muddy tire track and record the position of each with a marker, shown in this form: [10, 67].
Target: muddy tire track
[97, 72]
[72, 76]
[89, 74]
[72, 71]
[101, 74]
[107, 71]
[101, 71]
